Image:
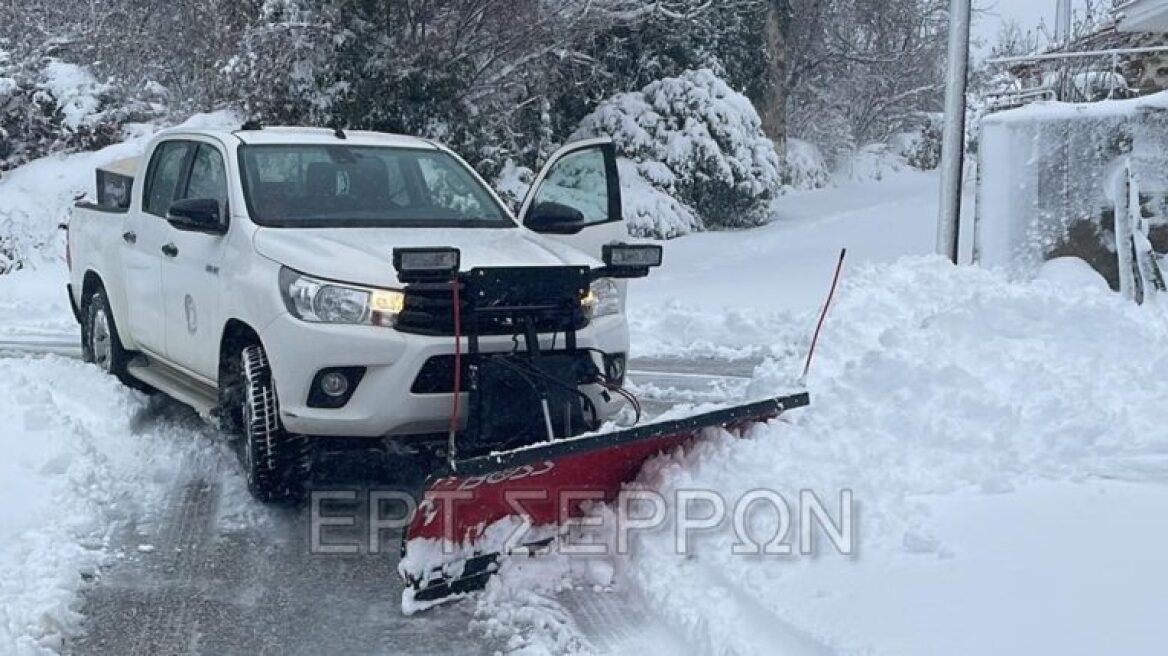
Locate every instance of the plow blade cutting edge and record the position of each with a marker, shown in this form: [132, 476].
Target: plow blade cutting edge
[467, 514]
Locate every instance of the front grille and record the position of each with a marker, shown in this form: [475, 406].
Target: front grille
[429, 309]
[437, 374]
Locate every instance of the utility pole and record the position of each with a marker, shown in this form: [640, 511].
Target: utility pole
[953, 142]
[1062, 23]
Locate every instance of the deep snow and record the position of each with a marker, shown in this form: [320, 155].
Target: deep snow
[1004, 444]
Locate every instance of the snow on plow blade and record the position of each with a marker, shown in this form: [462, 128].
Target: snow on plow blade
[455, 537]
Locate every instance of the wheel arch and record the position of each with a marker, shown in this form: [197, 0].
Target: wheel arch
[91, 282]
[236, 335]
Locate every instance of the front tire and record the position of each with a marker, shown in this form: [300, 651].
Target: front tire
[277, 463]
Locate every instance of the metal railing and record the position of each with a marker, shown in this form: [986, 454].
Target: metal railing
[1081, 76]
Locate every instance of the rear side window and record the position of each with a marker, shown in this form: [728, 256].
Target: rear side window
[166, 168]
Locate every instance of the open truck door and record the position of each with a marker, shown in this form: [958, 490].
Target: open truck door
[576, 198]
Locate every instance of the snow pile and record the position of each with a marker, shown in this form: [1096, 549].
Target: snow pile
[518, 610]
[693, 138]
[76, 470]
[1003, 443]
[945, 384]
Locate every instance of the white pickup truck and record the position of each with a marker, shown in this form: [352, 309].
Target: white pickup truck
[248, 274]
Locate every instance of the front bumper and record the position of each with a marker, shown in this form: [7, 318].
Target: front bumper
[383, 404]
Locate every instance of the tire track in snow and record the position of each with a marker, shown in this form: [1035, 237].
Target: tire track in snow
[187, 546]
[150, 616]
[17, 343]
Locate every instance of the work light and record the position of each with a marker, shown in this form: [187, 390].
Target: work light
[426, 264]
[630, 260]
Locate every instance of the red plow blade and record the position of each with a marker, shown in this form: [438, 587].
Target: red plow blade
[451, 545]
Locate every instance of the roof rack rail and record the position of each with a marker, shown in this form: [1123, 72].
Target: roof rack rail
[252, 124]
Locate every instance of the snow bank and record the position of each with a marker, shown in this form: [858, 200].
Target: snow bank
[1004, 446]
[936, 386]
[76, 470]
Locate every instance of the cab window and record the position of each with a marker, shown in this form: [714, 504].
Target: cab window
[208, 177]
[163, 176]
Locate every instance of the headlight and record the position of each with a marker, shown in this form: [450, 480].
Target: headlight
[323, 301]
[602, 300]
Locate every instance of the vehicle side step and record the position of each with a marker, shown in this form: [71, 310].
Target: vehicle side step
[200, 396]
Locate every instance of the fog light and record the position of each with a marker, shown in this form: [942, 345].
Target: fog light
[334, 384]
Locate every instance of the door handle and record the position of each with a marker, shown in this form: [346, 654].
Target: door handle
[170, 250]
[130, 237]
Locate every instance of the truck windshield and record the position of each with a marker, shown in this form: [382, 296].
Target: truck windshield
[314, 186]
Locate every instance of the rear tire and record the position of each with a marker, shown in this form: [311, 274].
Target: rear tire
[100, 343]
[277, 463]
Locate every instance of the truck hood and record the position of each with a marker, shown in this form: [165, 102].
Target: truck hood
[365, 255]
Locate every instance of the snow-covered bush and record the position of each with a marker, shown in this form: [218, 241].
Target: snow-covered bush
[921, 148]
[806, 166]
[513, 182]
[696, 139]
[650, 211]
[50, 106]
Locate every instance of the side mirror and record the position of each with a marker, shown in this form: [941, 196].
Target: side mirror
[196, 215]
[555, 218]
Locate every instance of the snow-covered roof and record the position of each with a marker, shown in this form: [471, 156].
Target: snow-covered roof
[1143, 16]
[298, 135]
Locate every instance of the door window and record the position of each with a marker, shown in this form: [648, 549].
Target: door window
[166, 168]
[577, 181]
[208, 177]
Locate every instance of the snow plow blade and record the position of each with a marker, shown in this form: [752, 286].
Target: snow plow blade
[459, 530]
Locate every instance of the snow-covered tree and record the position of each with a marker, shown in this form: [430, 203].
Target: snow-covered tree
[697, 140]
